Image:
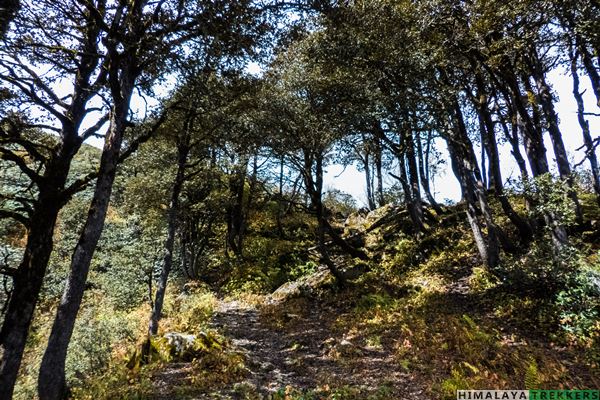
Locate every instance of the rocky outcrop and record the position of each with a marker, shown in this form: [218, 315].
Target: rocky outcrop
[306, 285]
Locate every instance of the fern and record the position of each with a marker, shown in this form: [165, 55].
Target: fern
[532, 375]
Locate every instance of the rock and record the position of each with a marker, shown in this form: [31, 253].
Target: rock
[308, 284]
[336, 348]
[180, 342]
[389, 210]
[354, 224]
[181, 347]
[360, 223]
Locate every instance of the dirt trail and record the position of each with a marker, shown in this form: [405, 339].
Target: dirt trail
[301, 353]
[272, 361]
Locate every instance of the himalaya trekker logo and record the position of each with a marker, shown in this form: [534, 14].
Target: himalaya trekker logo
[528, 394]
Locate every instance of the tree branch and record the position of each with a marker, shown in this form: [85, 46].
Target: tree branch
[8, 155]
[81, 183]
[23, 220]
[91, 131]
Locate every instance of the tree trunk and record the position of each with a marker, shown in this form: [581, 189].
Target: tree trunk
[512, 136]
[536, 153]
[27, 284]
[465, 167]
[474, 187]
[369, 180]
[29, 277]
[532, 134]
[468, 196]
[530, 129]
[182, 155]
[400, 152]
[341, 243]
[7, 12]
[490, 143]
[251, 192]
[414, 181]
[378, 171]
[315, 189]
[424, 178]
[590, 152]
[409, 200]
[562, 161]
[235, 223]
[591, 70]
[51, 382]
[484, 152]
[280, 201]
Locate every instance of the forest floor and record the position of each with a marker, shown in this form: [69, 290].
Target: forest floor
[426, 321]
[293, 347]
[344, 347]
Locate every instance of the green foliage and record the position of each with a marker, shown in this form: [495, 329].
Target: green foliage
[406, 253]
[542, 268]
[165, 350]
[532, 378]
[189, 311]
[248, 278]
[456, 381]
[301, 270]
[97, 333]
[100, 336]
[325, 392]
[218, 368]
[372, 300]
[482, 279]
[127, 254]
[339, 202]
[120, 372]
[550, 196]
[579, 304]
[118, 382]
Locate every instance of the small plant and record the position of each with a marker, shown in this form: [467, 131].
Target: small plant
[580, 304]
[532, 375]
[482, 280]
[301, 270]
[551, 197]
[374, 301]
[457, 381]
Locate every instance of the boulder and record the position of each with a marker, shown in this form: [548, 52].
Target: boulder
[180, 342]
[305, 285]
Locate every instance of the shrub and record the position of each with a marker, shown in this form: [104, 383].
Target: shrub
[580, 304]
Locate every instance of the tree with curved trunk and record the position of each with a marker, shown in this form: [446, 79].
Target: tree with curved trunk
[140, 37]
[123, 71]
[469, 177]
[183, 149]
[590, 151]
[76, 61]
[491, 147]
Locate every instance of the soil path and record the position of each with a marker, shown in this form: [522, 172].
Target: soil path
[298, 350]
